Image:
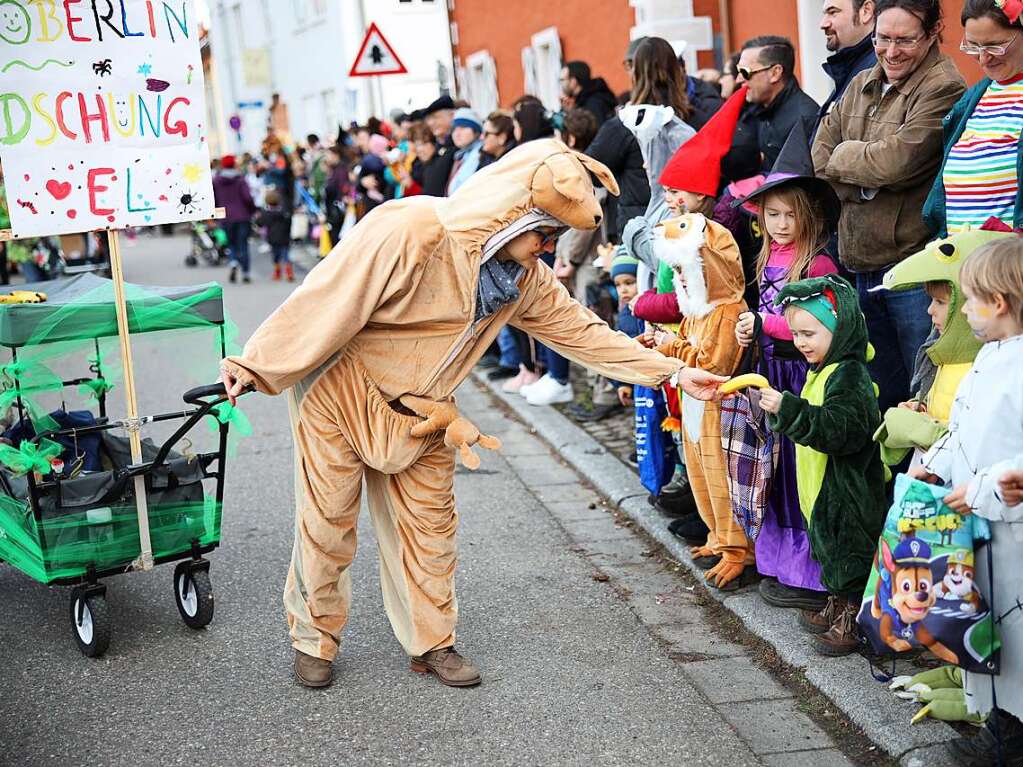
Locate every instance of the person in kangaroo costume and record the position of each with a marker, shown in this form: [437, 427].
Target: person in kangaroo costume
[370, 349]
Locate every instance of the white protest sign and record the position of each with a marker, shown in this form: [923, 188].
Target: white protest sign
[102, 115]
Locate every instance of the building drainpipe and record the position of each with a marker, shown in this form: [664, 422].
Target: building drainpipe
[724, 11]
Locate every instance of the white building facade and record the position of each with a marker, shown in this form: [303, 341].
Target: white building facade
[302, 50]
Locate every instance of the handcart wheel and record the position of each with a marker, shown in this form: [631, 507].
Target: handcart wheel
[191, 260]
[90, 623]
[194, 595]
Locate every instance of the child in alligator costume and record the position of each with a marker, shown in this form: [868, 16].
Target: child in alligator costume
[949, 352]
[839, 474]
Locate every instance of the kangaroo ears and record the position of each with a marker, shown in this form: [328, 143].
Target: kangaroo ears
[567, 180]
[601, 171]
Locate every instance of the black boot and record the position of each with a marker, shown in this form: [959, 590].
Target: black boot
[690, 529]
[981, 750]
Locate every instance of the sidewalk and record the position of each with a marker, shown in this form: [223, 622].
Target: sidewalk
[847, 682]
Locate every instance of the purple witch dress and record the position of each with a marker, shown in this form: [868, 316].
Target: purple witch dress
[783, 546]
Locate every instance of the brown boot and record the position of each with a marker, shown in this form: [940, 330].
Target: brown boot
[289, 270]
[448, 666]
[312, 671]
[277, 271]
[818, 621]
[842, 638]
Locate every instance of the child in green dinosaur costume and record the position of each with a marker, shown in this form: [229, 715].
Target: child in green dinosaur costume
[839, 473]
[948, 354]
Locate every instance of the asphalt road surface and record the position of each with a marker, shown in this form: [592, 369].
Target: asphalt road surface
[571, 673]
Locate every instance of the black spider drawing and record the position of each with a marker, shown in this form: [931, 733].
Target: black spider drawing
[103, 68]
[188, 203]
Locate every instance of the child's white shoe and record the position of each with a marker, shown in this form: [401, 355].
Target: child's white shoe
[547, 391]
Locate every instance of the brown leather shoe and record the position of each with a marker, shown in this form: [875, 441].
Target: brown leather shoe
[843, 637]
[448, 666]
[312, 671]
[818, 621]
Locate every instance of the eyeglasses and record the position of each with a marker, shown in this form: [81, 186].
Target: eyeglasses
[746, 73]
[991, 50]
[902, 43]
[550, 238]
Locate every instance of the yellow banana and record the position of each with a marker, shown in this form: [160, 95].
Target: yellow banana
[22, 297]
[755, 380]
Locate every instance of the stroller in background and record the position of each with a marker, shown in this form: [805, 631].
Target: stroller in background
[209, 245]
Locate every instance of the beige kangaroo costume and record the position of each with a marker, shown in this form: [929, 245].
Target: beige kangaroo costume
[386, 327]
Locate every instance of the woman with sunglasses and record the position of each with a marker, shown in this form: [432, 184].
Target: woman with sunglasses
[880, 147]
[979, 176]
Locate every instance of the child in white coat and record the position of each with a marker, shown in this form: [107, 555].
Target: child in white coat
[985, 437]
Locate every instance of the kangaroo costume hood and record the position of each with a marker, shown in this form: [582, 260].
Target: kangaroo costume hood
[373, 344]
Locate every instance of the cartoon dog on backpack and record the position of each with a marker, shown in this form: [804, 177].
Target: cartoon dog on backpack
[905, 595]
[958, 583]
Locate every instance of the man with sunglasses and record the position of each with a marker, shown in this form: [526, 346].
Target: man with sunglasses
[775, 103]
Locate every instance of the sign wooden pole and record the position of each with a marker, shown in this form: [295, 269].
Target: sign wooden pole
[145, 560]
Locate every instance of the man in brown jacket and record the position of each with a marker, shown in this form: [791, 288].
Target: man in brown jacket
[371, 347]
[880, 147]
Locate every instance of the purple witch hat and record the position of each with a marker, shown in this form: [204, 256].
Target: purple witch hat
[794, 166]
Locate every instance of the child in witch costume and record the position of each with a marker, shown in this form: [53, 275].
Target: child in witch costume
[796, 213]
[839, 473]
[708, 283]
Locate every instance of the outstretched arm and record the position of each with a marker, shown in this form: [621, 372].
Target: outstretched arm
[336, 300]
[547, 312]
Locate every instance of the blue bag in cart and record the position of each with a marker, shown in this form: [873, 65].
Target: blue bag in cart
[655, 450]
[922, 592]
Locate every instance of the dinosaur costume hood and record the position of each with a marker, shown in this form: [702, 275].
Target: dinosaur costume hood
[941, 261]
[399, 293]
[705, 261]
[850, 337]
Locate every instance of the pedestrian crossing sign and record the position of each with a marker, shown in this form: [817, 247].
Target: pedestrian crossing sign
[376, 57]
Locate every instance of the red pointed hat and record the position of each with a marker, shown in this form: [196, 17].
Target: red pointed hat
[696, 166]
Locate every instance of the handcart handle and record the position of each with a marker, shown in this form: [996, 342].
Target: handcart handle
[196, 395]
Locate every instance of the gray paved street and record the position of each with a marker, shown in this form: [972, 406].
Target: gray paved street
[592, 652]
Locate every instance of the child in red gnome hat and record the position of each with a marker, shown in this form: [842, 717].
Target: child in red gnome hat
[691, 181]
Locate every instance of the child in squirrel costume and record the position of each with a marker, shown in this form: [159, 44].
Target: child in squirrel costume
[370, 385]
[839, 474]
[709, 284]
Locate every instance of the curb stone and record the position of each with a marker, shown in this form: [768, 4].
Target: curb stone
[846, 682]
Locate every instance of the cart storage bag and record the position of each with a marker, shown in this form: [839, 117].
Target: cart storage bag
[921, 591]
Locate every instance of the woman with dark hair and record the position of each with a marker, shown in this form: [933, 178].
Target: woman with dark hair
[880, 147]
[498, 137]
[657, 80]
[532, 120]
[979, 176]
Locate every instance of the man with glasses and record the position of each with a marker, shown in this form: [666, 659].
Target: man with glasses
[847, 25]
[880, 147]
[775, 103]
[371, 348]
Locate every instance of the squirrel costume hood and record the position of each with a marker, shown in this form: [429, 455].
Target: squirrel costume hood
[705, 261]
[941, 261]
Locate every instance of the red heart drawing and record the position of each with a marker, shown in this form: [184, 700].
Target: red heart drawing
[58, 189]
[72, 214]
[163, 198]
